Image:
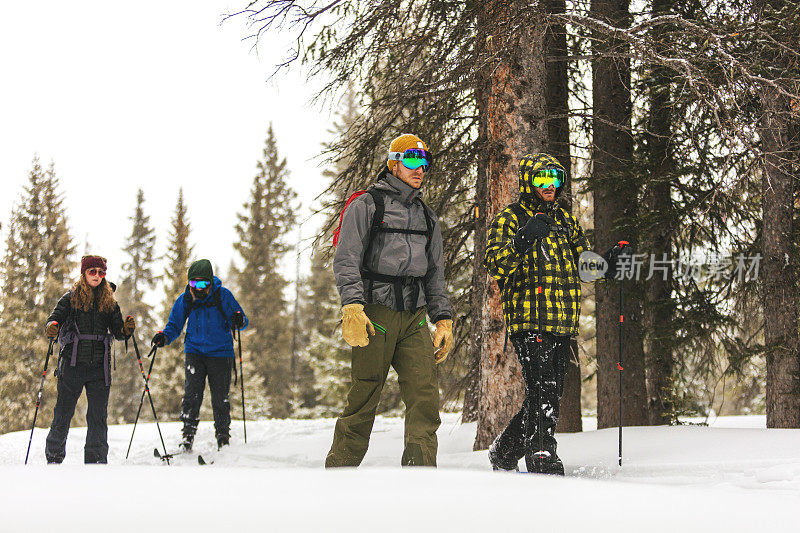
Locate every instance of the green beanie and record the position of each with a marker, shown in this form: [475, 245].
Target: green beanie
[201, 269]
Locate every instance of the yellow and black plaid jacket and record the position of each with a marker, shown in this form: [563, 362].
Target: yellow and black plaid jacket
[557, 308]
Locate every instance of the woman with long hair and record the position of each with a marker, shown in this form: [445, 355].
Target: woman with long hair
[86, 320]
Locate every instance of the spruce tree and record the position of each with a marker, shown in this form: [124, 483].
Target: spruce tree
[304, 391]
[168, 385]
[329, 355]
[267, 217]
[325, 350]
[137, 279]
[58, 248]
[35, 274]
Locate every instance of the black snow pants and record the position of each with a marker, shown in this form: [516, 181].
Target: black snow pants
[544, 363]
[71, 382]
[218, 371]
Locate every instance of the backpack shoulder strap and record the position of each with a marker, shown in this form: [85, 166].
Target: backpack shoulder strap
[378, 197]
[377, 220]
[347, 203]
[188, 306]
[218, 303]
[428, 225]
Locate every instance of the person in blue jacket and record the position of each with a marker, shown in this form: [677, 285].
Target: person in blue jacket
[210, 312]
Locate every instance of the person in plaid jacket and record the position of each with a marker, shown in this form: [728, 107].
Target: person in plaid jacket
[532, 252]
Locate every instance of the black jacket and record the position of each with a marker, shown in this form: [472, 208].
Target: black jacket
[94, 322]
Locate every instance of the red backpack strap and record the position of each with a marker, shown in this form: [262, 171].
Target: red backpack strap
[341, 216]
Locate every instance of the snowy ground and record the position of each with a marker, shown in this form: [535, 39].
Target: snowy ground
[732, 476]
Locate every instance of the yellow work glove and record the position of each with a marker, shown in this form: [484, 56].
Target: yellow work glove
[355, 325]
[443, 339]
[129, 326]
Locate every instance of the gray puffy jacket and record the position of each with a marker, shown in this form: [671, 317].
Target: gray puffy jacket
[392, 254]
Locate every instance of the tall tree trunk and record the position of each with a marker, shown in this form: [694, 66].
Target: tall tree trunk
[480, 280]
[780, 269]
[659, 308]
[615, 203]
[558, 145]
[512, 109]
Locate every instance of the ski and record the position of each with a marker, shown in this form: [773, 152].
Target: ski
[202, 462]
[165, 457]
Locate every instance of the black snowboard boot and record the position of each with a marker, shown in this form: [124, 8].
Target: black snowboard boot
[498, 462]
[187, 442]
[544, 462]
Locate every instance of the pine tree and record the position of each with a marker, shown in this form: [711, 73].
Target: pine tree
[616, 193]
[304, 391]
[168, 371]
[780, 137]
[34, 275]
[267, 217]
[328, 366]
[58, 248]
[137, 280]
[330, 357]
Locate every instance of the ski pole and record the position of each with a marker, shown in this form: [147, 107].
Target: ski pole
[39, 395]
[540, 310]
[622, 245]
[241, 379]
[141, 400]
[146, 390]
[620, 367]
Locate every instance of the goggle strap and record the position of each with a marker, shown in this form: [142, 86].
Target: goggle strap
[398, 156]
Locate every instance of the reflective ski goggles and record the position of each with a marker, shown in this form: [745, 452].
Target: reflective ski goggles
[199, 284]
[413, 158]
[548, 176]
[96, 272]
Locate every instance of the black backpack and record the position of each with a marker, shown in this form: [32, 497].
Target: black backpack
[216, 301]
[377, 226]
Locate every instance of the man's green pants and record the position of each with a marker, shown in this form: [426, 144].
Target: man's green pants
[402, 340]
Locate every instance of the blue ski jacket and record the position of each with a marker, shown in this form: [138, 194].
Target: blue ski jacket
[207, 332]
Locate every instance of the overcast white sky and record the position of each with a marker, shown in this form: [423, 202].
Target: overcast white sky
[150, 94]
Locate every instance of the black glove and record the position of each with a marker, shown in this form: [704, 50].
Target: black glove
[537, 227]
[612, 256]
[159, 339]
[237, 320]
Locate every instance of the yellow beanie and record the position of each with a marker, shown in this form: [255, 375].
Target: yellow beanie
[405, 142]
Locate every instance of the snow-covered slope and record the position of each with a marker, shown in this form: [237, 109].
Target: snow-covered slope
[732, 476]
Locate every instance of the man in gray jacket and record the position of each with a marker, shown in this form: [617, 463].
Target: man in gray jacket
[389, 270]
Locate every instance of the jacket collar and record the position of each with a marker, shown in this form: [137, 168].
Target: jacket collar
[534, 204]
[397, 187]
[216, 283]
